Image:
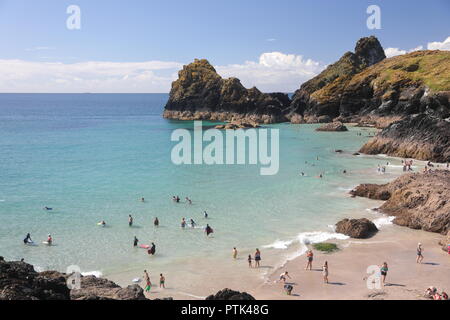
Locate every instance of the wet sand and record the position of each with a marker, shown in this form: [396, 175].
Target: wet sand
[347, 269]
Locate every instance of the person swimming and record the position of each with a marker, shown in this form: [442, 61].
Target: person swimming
[188, 200]
[47, 208]
[135, 241]
[142, 199]
[192, 223]
[102, 223]
[156, 222]
[27, 239]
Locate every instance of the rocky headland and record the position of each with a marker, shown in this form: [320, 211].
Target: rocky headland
[200, 93]
[417, 200]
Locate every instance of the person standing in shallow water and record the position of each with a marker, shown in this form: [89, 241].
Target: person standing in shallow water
[135, 242]
[257, 258]
[130, 220]
[208, 230]
[235, 253]
[156, 222]
[309, 258]
[249, 259]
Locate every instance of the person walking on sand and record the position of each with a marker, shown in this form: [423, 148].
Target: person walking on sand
[257, 258]
[130, 220]
[148, 283]
[284, 276]
[162, 281]
[249, 259]
[384, 270]
[309, 258]
[235, 253]
[325, 272]
[419, 253]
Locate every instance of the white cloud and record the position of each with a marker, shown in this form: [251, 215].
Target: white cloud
[275, 71]
[392, 52]
[444, 45]
[92, 76]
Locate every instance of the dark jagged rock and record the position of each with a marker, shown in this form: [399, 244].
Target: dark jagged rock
[19, 281]
[228, 294]
[356, 228]
[333, 126]
[418, 136]
[202, 94]
[418, 201]
[334, 78]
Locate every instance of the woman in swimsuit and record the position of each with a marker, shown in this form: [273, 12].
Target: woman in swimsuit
[419, 253]
[257, 258]
[309, 257]
[384, 269]
[325, 272]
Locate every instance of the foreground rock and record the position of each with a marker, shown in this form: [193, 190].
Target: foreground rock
[420, 136]
[19, 281]
[356, 228]
[333, 126]
[202, 94]
[93, 288]
[418, 201]
[228, 294]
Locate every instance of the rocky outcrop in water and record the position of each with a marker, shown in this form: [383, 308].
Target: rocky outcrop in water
[228, 294]
[420, 136]
[202, 94]
[417, 200]
[356, 228]
[93, 288]
[333, 126]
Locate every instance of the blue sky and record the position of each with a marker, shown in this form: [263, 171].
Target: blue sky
[229, 33]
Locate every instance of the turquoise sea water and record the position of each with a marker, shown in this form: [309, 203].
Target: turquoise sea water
[91, 157]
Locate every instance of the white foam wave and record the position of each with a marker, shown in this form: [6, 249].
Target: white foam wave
[97, 274]
[279, 244]
[383, 221]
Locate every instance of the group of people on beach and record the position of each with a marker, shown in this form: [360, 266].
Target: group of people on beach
[148, 283]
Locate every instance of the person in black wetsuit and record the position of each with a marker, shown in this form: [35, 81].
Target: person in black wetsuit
[135, 241]
[156, 222]
[27, 239]
[208, 230]
[152, 250]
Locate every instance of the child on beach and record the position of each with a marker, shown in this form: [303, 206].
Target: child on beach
[148, 284]
[309, 258]
[325, 272]
[384, 269]
[419, 253]
[162, 281]
[284, 276]
[250, 261]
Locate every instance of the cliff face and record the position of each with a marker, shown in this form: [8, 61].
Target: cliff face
[201, 94]
[365, 85]
[418, 201]
[419, 136]
[321, 95]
